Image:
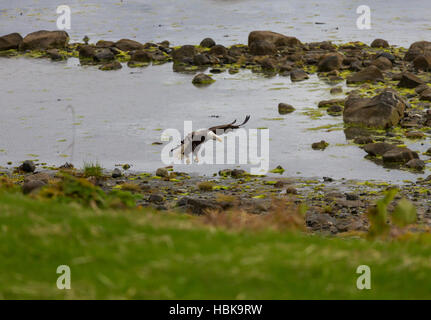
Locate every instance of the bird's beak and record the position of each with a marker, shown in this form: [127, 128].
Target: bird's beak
[219, 139]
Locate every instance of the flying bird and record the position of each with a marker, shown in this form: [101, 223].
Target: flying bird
[194, 140]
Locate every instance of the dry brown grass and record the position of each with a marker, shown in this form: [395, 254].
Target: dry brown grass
[282, 216]
[225, 198]
[130, 186]
[206, 185]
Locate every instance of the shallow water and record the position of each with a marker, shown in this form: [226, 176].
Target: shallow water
[227, 21]
[117, 115]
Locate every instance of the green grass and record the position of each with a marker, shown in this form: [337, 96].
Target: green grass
[139, 254]
[93, 170]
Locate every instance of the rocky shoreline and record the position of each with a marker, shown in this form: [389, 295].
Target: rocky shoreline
[388, 103]
[332, 206]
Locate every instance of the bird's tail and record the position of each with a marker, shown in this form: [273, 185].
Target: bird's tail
[245, 121]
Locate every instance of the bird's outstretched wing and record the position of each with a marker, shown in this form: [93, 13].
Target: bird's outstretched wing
[221, 129]
[228, 127]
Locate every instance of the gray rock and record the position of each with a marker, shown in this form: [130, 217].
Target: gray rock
[140, 56]
[162, 172]
[336, 90]
[298, 75]
[409, 80]
[416, 164]
[184, 54]
[370, 73]
[201, 60]
[379, 43]
[262, 48]
[32, 185]
[352, 196]
[202, 78]
[399, 155]
[417, 49]
[111, 66]
[382, 63]
[322, 145]
[363, 140]
[335, 110]
[41, 176]
[116, 173]
[320, 221]
[43, 40]
[105, 44]
[207, 43]
[277, 39]
[422, 63]
[382, 111]
[87, 52]
[27, 166]
[198, 206]
[284, 108]
[156, 198]
[128, 45]
[237, 173]
[330, 62]
[218, 50]
[330, 103]
[378, 149]
[55, 55]
[10, 41]
[103, 54]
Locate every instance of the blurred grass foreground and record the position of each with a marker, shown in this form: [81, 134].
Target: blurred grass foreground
[136, 253]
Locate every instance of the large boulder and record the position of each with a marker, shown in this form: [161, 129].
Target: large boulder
[382, 63]
[277, 39]
[262, 48]
[417, 49]
[330, 61]
[27, 166]
[370, 73]
[409, 80]
[87, 52]
[382, 111]
[103, 55]
[207, 43]
[105, 44]
[43, 40]
[379, 43]
[422, 63]
[425, 95]
[141, 56]
[218, 50]
[128, 45]
[268, 63]
[378, 148]
[201, 59]
[185, 53]
[399, 155]
[10, 41]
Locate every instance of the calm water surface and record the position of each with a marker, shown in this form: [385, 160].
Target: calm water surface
[118, 115]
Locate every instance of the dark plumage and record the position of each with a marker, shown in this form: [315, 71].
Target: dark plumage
[192, 142]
